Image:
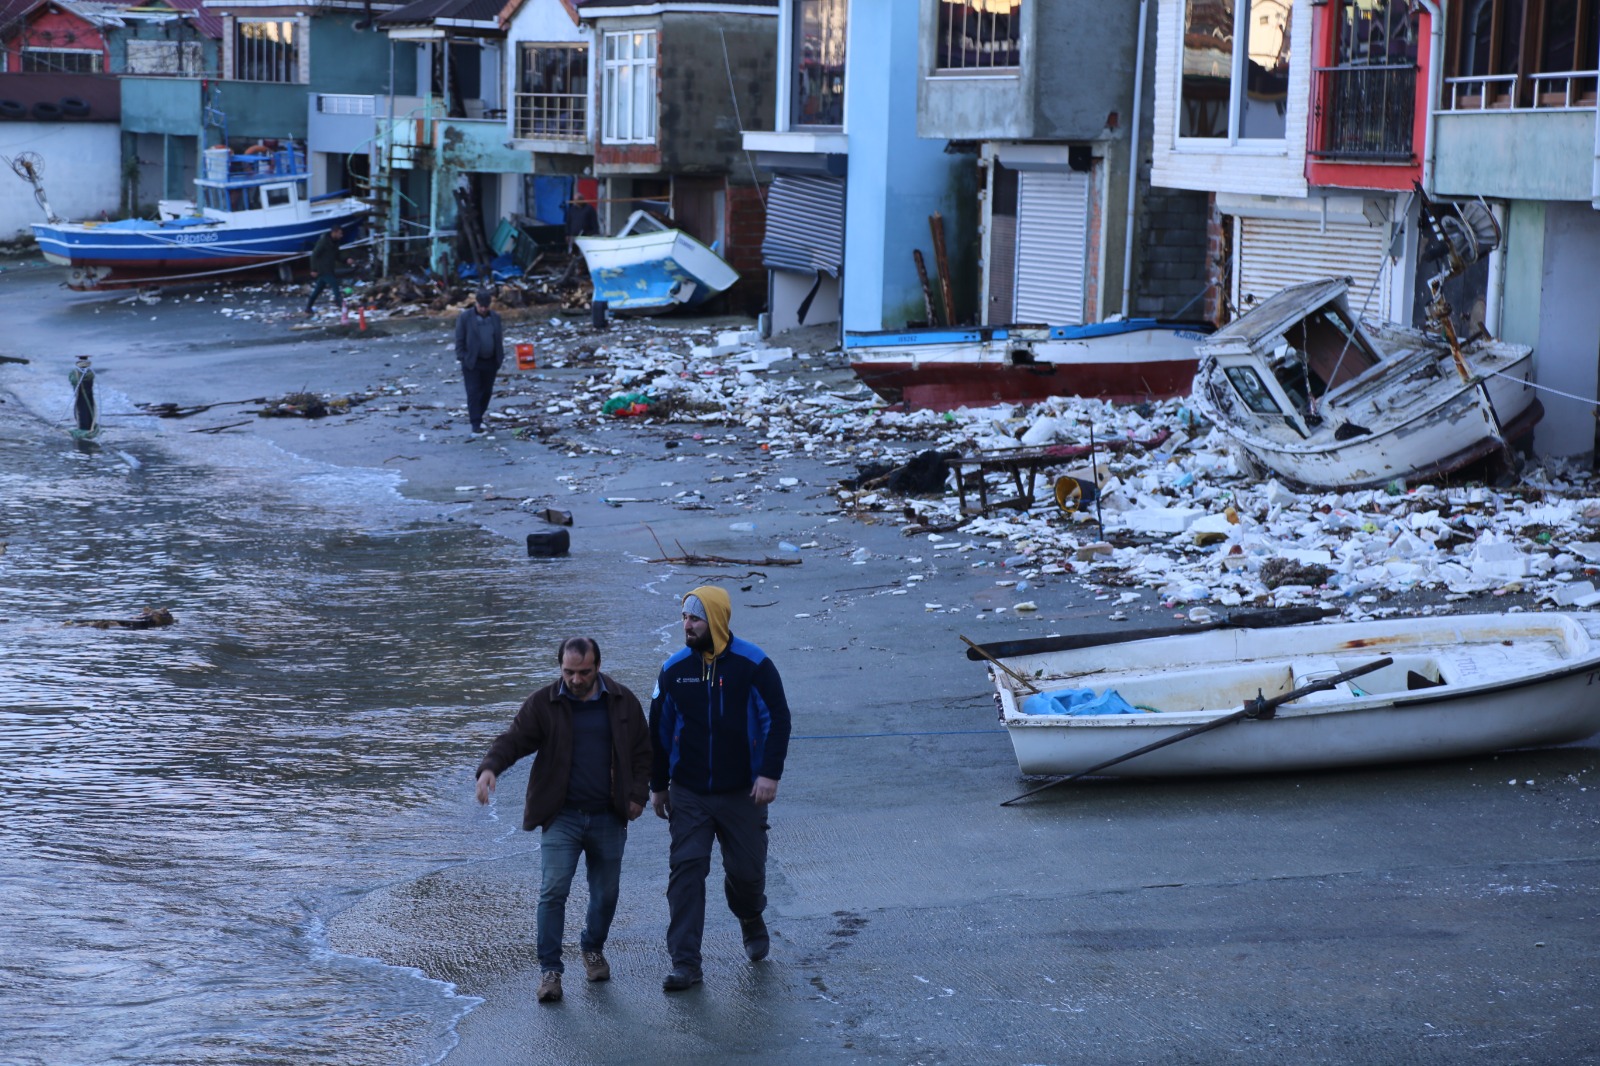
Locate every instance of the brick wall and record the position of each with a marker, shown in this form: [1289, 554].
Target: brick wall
[626, 156]
[1176, 265]
[1091, 279]
[746, 226]
[1219, 262]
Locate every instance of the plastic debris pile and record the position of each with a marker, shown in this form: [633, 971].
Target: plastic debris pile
[1182, 525]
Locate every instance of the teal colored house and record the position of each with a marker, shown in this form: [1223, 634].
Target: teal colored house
[198, 74]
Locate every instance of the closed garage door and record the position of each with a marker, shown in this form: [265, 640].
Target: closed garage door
[1052, 244]
[1275, 253]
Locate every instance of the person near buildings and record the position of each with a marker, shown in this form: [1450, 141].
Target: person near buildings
[325, 266]
[480, 349]
[591, 748]
[719, 727]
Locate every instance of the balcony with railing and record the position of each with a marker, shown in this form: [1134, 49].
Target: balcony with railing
[1568, 90]
[1364, 114]
[1517, 136]
[554, 118]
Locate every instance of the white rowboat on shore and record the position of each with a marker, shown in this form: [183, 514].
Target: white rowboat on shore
[1459, 685]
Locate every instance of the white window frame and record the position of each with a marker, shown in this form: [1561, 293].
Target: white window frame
[628, 80]
[1242, 14]
[96, 63]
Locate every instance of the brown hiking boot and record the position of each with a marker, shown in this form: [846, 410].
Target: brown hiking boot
[598, 968]
[550, 987]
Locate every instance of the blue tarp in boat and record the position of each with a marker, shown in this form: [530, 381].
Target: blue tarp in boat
[1078, 701]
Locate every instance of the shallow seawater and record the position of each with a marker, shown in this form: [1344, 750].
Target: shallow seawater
[187, 806]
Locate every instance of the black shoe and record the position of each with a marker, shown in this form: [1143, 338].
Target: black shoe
[680, 978]
[756, 942]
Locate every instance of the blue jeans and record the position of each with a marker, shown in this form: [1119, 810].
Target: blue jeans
[599, 838]
[324, 281]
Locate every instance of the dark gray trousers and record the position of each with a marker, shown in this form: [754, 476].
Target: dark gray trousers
[739, 826]
[479, 380]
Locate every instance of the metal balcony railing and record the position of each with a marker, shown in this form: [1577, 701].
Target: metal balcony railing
[552, 116]
[1364, 113]
[1568, 90]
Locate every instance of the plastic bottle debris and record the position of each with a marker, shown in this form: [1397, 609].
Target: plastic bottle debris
[784, 545]
[742, 527]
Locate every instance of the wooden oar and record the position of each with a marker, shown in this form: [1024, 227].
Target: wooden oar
[1248, 619]
[1014, 675]
[1260, 707]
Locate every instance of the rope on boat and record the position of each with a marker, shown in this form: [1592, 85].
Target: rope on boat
[923, 733]
[228, 270]
[1542, 388]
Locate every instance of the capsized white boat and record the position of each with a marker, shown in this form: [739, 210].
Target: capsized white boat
[1459, 685]
[1329, 402]
[649, 267]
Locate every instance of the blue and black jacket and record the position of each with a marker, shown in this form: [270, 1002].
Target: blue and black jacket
[719, 723]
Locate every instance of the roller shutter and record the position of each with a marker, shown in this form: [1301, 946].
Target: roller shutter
[1052, 245]
[805, 225]
[1275, 253]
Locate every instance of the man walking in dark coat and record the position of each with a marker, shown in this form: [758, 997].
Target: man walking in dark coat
[591, 751]
[480, 348]
[719, 723]
[325, 264]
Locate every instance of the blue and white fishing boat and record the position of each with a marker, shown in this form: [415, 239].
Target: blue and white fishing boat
[251, 211]
[649, 267]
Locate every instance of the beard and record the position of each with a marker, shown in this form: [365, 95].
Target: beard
[702, 644]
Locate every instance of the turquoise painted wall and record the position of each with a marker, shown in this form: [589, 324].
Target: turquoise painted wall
[348, 60]
[896, 180]
[1518, 156]
[256, 109]
[160, 104]
[1519, 316]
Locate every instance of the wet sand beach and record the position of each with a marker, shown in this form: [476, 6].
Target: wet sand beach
[1444, 913]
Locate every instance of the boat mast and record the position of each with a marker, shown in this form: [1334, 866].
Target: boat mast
[29, 166]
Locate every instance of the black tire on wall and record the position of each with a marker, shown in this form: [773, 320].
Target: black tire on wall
[45, 111]
[72, 107]
[12, 109]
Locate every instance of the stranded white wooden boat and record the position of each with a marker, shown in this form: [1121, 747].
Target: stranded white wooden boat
[1326, 401]
[1459, 685]
[649, 268]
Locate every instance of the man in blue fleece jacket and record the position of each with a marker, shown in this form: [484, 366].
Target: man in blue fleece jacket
[719, 724]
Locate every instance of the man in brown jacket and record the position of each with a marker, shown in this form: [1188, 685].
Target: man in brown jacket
[590, 778]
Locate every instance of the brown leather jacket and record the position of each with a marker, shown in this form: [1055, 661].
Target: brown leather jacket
[543, 729]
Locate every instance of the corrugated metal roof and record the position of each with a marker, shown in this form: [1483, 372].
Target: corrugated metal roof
[15, 9]
[206, 21]
[585, 5]
[425, 11]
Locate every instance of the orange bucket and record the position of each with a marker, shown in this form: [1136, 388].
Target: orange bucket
[525, 357]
